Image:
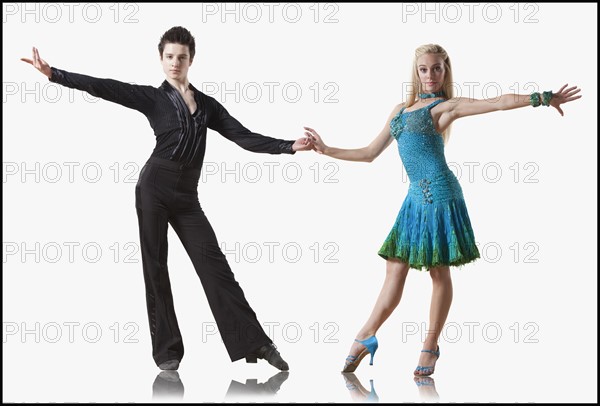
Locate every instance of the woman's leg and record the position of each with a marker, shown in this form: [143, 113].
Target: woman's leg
[389, 297]
[441, 299]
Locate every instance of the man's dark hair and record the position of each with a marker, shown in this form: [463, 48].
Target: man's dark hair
[178, 35]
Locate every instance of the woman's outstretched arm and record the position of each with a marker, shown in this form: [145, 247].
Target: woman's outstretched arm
[463, 107]
[365, 154]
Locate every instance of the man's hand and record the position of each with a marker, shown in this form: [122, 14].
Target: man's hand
[39, 63]
[302, 144]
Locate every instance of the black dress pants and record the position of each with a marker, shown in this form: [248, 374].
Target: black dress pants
[167, 193]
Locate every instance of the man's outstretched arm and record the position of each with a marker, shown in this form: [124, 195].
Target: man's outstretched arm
[221, 121]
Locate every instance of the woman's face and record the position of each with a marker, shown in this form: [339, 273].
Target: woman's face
[176, 61]
[431, 72]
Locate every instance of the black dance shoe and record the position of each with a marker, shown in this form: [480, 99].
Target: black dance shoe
[268, 352]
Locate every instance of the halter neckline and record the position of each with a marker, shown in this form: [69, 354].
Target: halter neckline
[431, 95]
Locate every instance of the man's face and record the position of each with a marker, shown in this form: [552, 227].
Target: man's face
[176, 61]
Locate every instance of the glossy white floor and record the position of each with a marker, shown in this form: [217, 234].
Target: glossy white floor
[465, 373]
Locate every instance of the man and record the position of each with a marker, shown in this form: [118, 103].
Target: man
[166, 193]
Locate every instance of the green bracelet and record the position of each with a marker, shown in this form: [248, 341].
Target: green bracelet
[546, 97]
[534, 99]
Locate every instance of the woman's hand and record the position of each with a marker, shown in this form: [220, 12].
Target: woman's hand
[39, 63]
[564, 96]
[316, 140]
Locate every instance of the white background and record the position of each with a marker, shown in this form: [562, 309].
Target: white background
[531, 195]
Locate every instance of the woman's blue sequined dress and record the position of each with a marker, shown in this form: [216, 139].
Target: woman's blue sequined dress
[433, 227]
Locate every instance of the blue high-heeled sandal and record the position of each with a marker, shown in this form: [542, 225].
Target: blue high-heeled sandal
[426, 371]
[352, 361]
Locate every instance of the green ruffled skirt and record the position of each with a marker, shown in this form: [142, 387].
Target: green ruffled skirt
[429, 234]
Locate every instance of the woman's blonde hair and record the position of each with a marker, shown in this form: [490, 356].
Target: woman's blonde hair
[411, 96]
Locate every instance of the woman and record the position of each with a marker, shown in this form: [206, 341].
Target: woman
[432, 230]
[166, 193]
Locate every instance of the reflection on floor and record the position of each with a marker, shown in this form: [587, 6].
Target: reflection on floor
[360, 394]
[167, 385]
[358, 391]
[256, 391]
[426, 386]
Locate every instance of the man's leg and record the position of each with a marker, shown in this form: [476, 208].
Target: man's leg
[239, 328]
[167, 343]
